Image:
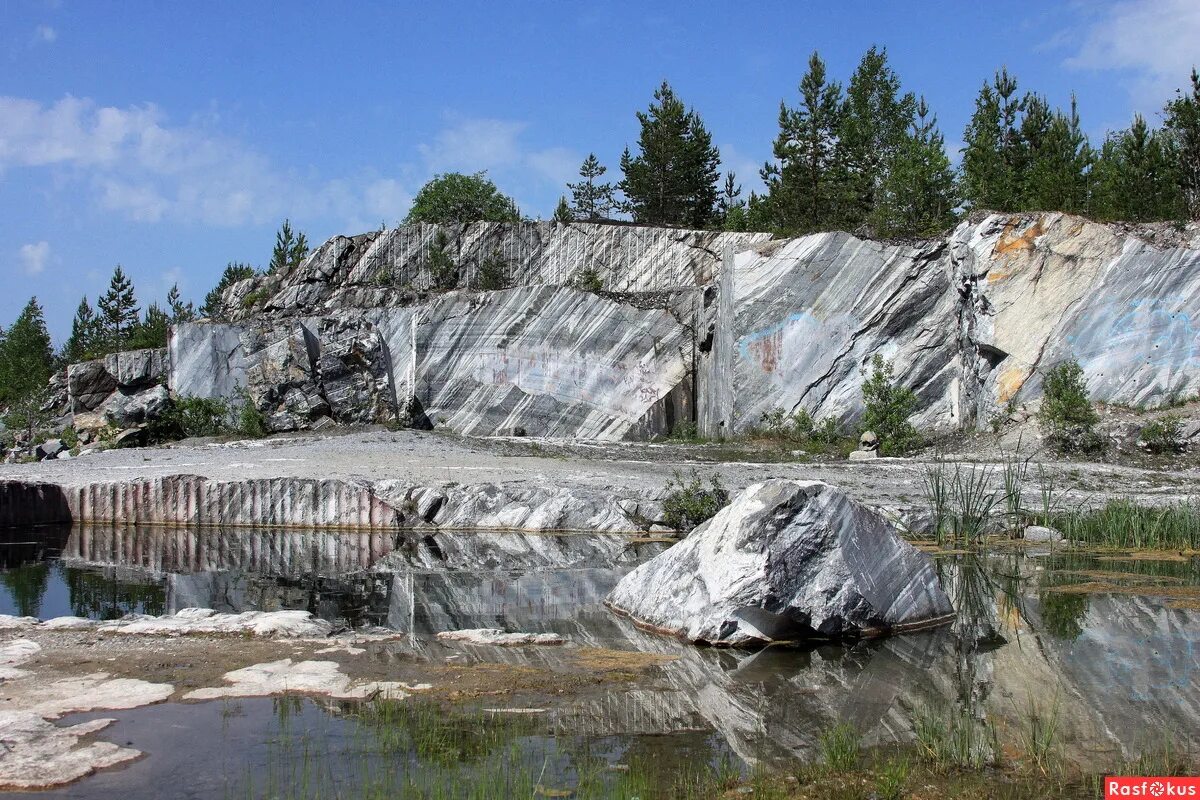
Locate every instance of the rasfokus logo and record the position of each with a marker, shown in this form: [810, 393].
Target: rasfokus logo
[1128, 786]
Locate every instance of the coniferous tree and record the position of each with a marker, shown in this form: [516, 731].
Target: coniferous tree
[1056, 160]
[803, 186]
[731, 208]
[992, 147]
[919, 193]
[180, 311]
[590, 200]
[1135, 176]
[118, 310]
[235, 271]
[673, 178]
[151, 331]
[874, 124]
[562, 211]
[26, 357]
[290, 248]
[1183, 123]
[86, 334]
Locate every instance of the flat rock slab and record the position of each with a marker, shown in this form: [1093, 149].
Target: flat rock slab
[786, 560]
[39, 754]
[281, 624]
[303, 677]
[499, 638]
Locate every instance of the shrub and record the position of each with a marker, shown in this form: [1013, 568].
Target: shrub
[493, 273]
[250, 420]
[888, 408]
[441, 265]
[1066, 416]
[191, 416]
[588, 280]
[689, 503]
[1163, 435]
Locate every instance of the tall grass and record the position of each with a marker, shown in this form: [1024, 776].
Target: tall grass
[949, 738]
[1125, 524]
[840, 748]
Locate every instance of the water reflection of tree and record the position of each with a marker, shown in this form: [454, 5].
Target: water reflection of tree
[26, 586]
[97, 595]
[1063, 613]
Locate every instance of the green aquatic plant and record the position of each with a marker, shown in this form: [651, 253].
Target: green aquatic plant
[840, 746]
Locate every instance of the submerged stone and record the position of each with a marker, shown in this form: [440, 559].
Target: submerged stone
[786, 560]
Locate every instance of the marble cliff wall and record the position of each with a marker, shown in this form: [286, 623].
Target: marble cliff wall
[969, 322]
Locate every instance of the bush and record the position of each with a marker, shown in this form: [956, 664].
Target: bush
[441, 266]
[250, 421]
[588, 280]
[1163, 435]
[493, 274]
[689, 503]
[888, 408]
[1066, 416]
[191, 416]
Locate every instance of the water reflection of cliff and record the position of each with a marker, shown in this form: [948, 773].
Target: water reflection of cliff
[1119, 672]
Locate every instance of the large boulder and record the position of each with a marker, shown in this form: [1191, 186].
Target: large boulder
[786, 560]
[354, 371]
[89, 385]
[126, 408]
[138, 369]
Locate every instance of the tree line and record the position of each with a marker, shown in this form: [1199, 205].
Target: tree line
[869, 157]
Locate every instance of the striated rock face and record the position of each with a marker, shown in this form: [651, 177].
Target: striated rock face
[123, 388]
[389, 268]
[970, 323]
[786, 560]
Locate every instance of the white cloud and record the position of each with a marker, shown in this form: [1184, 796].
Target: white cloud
[139, 165]
[1153, 40]
[34, 257]
[44, 34]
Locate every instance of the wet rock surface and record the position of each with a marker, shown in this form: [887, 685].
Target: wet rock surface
[786, 561]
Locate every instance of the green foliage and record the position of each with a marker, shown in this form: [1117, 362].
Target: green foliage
[290, 249]
[731, 209]
[118, 310]
[1125, 524]
[493, 274]
[180, 311]
[1063, 613]
[1135, 176]
[673, 179]
[804, 190]
[1163, 435]
[26, 361]
[989, 162]
[454, 197]
[590, 199]
[192, 416]
[840, 747]
[1066, 416]
[952, 739]
[887, 409]
[235, 271]
[442, 267]
[250, 419]
[1183, 123]
[151, 331]
[689, 502]
[254, 298]
[562, 211]
[919, 193]
[588, 280]
[86, 339]
[893, 776]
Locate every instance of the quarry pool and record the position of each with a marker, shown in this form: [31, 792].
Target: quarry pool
[1093, 655]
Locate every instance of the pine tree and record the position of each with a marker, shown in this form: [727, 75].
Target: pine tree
[993, 147]
[875, 119]
[1056, 158]
[562, 211]
[290, 248]
[919, 194]
[1135, 176]
[235, 271]
[180, 311]
[151, 331]
[673, 179]
[803, 188]
[590, 200]
[26, 357]
[731, 209]
[118, 310]
[85, 335]
[1183, 123]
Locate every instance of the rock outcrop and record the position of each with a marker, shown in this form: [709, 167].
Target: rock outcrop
[786, 560]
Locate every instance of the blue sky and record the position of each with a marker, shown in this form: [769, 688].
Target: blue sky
[173, 137]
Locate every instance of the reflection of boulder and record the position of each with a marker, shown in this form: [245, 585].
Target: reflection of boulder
[786, 560]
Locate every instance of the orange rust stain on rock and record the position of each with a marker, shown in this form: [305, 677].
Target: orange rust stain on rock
[1011, 242]
[1010, 382]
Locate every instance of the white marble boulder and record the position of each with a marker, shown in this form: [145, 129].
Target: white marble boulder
[786, 561]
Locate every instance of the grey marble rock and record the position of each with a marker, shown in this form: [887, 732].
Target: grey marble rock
[138, 369]
[786, 560]
[126, 408]
[354, 372]
[89, 385]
